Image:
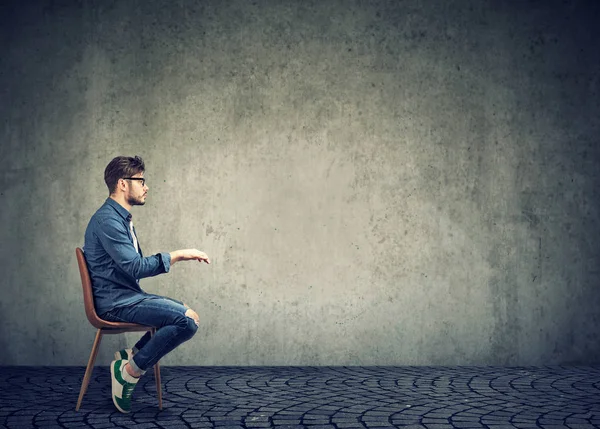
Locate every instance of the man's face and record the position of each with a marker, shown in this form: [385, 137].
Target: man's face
[136, 190]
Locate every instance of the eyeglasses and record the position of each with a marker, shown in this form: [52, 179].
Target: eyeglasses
[136, 178]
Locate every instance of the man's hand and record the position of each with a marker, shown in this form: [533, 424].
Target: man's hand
[188, 255]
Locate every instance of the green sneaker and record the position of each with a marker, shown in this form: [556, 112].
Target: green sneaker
[125, 354]
[121, 389]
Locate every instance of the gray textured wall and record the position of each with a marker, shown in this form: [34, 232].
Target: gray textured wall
[377, 182]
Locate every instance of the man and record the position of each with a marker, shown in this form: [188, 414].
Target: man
[116, 264]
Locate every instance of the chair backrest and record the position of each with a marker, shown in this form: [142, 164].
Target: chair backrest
[88, 302]
[88, 296]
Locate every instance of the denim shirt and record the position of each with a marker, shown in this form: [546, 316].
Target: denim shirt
[115, 266]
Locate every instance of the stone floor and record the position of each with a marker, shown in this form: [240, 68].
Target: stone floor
[310, 397]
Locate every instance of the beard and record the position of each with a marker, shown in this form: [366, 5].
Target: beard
[133, 201]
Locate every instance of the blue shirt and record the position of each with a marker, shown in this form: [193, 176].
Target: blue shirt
[115, 266]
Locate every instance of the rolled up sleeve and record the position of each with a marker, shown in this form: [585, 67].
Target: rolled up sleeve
[165, 259]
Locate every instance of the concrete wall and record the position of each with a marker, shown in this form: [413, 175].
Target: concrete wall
[376, 182]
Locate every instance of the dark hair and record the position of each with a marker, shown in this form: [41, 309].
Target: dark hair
[120, 167]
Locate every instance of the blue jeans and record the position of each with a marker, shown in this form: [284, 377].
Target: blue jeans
[165, 314]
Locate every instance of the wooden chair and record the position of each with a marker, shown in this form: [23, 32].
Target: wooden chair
[105, 327]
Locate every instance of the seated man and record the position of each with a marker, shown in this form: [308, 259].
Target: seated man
[116, 263]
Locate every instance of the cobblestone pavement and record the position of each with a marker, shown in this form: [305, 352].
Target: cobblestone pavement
[310, 397]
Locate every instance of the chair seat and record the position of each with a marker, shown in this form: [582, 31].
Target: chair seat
[107, 325]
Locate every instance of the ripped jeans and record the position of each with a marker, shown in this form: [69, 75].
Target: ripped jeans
[165, 314]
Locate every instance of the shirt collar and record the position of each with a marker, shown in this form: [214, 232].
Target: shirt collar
[123, 212]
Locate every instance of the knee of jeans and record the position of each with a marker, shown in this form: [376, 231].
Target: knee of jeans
[192, 326]
[186, 325]
[191, 313]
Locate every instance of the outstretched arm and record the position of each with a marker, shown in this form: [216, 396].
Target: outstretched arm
[116, 242]
[188, 255]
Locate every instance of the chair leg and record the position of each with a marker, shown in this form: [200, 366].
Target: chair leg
[95, 351]
[158, 387]
[157, 378]
[90, 368]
